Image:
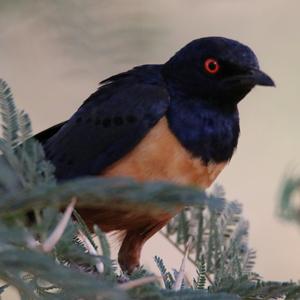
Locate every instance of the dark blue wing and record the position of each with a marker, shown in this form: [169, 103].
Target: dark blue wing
[106, 127]
[43, 136]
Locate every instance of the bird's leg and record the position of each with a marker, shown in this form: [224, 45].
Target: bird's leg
[130, 251]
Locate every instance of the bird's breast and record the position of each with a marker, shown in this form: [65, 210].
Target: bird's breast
[160, 156]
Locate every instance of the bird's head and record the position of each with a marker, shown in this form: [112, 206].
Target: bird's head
[216, 69]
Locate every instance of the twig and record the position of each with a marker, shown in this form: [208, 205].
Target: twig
[181, 251]
[54, 237]
[32, 243]
[92, 251]
[138, 282]
[180, 275]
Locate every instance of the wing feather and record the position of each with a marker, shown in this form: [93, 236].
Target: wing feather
[109, 124]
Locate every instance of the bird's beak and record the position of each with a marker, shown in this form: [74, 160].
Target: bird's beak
[249, 78]
[260, 78]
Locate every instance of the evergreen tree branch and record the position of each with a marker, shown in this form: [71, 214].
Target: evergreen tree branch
[57, 233]
[94, 192]
[92, 251]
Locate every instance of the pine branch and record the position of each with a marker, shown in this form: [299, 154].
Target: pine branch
[83, 227]
[103, 241]
[166, 276]
[24, 127]
[94, 192]
[197, 295]
[8, 112]
[200, 282]
[220, 235]
[41, 265]
[89, 246]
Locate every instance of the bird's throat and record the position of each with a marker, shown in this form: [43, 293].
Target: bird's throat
[207, 131]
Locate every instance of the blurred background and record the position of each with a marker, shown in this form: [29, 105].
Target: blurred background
[54, 53]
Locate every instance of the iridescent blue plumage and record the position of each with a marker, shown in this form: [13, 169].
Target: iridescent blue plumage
[208, 133]
[203, 111]
[201, 108]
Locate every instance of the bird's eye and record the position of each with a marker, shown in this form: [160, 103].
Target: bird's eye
[211, 66]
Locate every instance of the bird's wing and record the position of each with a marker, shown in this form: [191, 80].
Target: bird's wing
[43, 136]
[109, 124]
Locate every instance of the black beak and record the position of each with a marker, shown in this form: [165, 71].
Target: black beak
[249, 78]
[260, 78]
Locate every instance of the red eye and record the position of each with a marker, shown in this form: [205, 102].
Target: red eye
[211, 66]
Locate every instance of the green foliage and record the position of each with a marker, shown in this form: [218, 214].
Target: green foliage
[23, 264]
[109, 265]
[94, 192]
[103, 241]
[9, 115]
[289, 209]
[66, 282]
[220, 236]
[200, 282]
[30, 210]
[23, 159]
[257, 289]
[220, 250]
[199, 295]
[166, 276]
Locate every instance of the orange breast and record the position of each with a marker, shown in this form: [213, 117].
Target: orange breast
[160, 156]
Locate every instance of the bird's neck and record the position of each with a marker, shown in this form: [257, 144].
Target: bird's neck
[207, 131]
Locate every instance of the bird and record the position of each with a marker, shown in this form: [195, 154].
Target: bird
[177, 122]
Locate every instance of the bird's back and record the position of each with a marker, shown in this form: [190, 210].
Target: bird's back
[109, 124]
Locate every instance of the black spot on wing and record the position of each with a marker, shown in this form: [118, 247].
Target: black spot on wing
[131, 119]
[106, 123]
[118, 121]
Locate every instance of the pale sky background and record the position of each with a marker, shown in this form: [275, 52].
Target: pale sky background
[53, 54]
